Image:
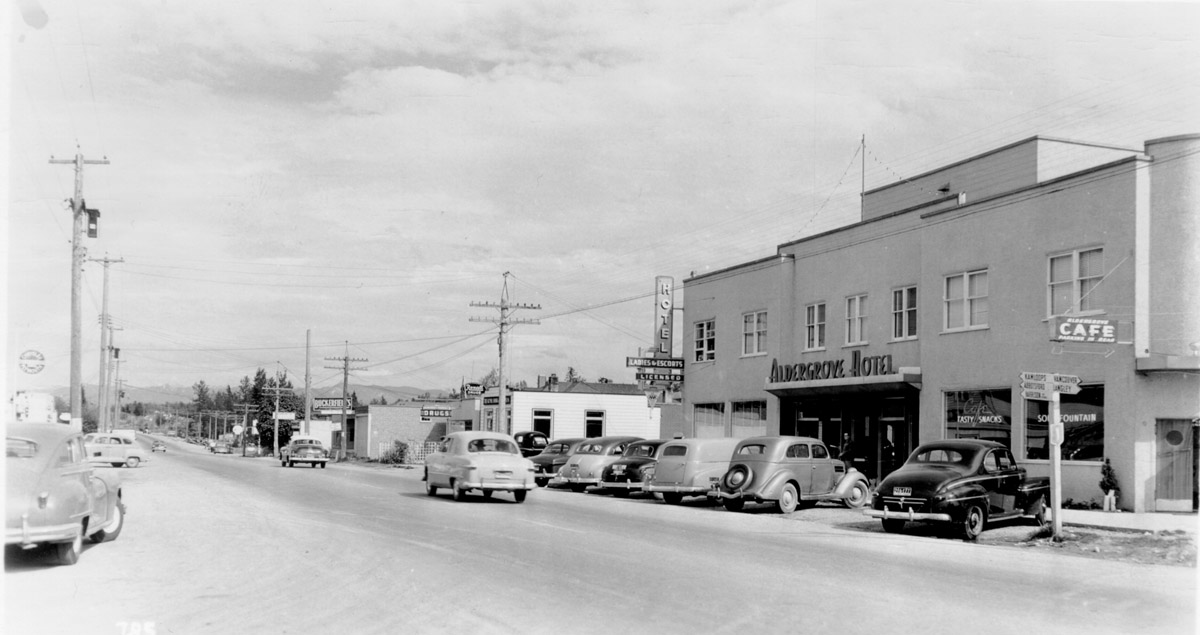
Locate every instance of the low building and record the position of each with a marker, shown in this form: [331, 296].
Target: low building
[374, 429]
[917, 323]
[576, 409]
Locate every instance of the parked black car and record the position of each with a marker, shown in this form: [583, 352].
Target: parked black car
[551, 460]
[531, 443]
[967, 482]
[634, 470]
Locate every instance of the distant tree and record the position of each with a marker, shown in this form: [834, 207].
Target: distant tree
[203, 399]
[573, 376]
[490, 380]
[353, 399]
[382, 400]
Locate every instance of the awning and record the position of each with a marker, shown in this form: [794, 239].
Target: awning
[1168, 364]
[909, 378]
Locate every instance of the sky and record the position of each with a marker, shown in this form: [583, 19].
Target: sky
[360, 172]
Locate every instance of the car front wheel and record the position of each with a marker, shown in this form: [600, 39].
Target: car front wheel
[68, 552]
[430, 489]
[519, 495]
[132, 461]
[541, 482]
[458, 493]
[787, 499]
[113, 529]
[972, 522]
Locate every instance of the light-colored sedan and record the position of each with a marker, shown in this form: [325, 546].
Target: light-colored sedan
[116, 450]
[54, 496]
[690, 467]
[587, 464]
[477, 460]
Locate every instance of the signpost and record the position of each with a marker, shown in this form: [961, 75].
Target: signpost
[1048, 387]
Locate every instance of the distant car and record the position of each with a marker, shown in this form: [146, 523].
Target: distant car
[633, 470]
[966, 482]
[478, 460]
[550, 461]
[304, 450]
[250, 450]
[54, 496]
[114, 450]
[789, 472]
[221, 447]
[158, 446]
[531, 442]
[585, 466]
[690, 467]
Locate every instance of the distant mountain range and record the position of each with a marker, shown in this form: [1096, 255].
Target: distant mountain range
[176, 394]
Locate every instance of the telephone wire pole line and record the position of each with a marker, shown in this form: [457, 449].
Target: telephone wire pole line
[506, 321]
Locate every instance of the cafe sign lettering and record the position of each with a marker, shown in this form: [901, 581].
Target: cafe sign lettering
[858, 365]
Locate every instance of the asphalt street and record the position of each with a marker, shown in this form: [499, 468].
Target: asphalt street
[226, 544]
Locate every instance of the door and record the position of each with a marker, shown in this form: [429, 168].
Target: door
[797, 460]
[1175, 479]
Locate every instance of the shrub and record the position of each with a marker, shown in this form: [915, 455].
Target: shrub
[1108, 478]
[398, 453]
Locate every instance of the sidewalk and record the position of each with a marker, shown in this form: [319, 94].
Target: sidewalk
[1125, 521]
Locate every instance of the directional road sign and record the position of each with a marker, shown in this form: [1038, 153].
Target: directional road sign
[1049, 382]
[1040, 395]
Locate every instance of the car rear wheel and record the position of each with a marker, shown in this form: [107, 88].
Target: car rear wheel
[734, 504]
[487, 493]
[132, 461]
[893, 525]
[621, 493]
[110, 532]
[788, 498]
[67, 553]
[578, 487]
[323, 464]
[291, 464]
[972, 522]
[458, 493]
[672, 498]
[116, 465]
[519, 495]
[541, 482]
[430, 488]
[857, 496]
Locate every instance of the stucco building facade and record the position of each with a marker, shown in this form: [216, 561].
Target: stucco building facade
[917, 322]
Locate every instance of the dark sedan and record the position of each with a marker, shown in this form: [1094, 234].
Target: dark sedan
[551, 460]
[633, 470]
[966, 482]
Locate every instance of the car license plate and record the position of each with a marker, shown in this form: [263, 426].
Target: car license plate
[618, 469]
[502, 475]
[901, 491]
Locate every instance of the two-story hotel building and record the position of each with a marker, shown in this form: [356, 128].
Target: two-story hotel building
[917, 322]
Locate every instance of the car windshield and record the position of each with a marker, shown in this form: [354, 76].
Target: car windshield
[21, 449]
[557, 448]
[675, 450]
[757, 448]
[590, 448]
[641, 449]
[941, 455]
[503, 446]
[308, 444]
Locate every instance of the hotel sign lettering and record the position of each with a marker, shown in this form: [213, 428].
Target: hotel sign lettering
[858, 365]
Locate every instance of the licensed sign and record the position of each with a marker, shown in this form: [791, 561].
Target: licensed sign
[654, 362]
[657, 377]
[1085, 330]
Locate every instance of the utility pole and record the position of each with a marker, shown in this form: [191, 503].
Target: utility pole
[104, 352]
[277, 390]
[117, 382]
[114, 355]
[245, 423]
[78, 251]
[345, 360]
[505, 321]
[307, 380]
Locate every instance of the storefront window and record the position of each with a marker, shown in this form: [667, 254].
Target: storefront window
[980, 414]
[1083, 426]
[709, 419]
[749, 418]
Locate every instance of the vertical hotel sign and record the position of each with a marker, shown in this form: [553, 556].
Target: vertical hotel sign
[664, 321]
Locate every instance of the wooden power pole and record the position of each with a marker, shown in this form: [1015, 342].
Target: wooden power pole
[505, 321]
[345, 368]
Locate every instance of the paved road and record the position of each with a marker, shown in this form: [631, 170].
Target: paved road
[225, 544]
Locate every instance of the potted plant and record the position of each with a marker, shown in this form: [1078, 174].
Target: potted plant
[1108, 484]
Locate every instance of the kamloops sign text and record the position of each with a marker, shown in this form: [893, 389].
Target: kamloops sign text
[858, 365]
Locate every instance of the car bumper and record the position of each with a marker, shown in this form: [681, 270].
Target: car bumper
[689, 490]
[630, 485]
[497, 486]
[308, 459]
[907, 514]
[576, 480]
[29, 536]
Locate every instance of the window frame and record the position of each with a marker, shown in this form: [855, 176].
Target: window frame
[704, 340]
[1079, 297]
[546, 414]
[967, 301]
[814, 329]
[860, 317]
[904, 318]
[591, 417]
[754, 333]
